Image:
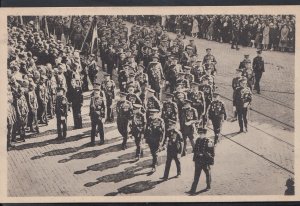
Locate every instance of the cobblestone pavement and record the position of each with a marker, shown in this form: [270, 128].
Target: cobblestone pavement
[256, 163]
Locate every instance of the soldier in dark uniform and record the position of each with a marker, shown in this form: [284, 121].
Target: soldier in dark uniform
[152, 102]
[123, 78]
[108, 86]
[11, 120]
[142, 79]
[22, 113]
[248, 73]
[174, 148]
[131, 96]
[204, 153]
[109, 60]
[135, 84]
[76, 98]
[242, 99]
[193, 46]
[155, 75]
[138, 129]
[189, 117]
[33, 107]
[61, 111]
[258, 69]
[124, 115]
[208, 93]
[181, 80]
[187, 74]
[154, 135]
[198, 100]
[217, 114]
[209, 56]
[43, 100]
[172, 72]
[92, 68]
[98, 116]
[236, 84]
[186, 56]
[198, 71]
[169, 110]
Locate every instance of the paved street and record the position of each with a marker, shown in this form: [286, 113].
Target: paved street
[255, 163]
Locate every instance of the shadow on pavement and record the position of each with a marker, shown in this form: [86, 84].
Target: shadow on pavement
[95, 153]
[136, 187]
[68, 150]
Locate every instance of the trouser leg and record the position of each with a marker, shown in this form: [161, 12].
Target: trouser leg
[101, 130]
[167, 167]
[197, 174]
[178, 165]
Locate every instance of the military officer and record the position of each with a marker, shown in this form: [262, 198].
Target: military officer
[179, 98]
[169, 109]
[172, 73]
[209, 56]
[156, 76]
[22, 113]
[208, 93]
[181, 80]
[142, 79]
[138, 129]
[33, 107]
[204, 153]
[258, 69]
[241, 102]
[109, 87]
[124, 115]
[123, 78]
[236, 84]
[187, 74]
[189, 118]
[135, 84]
[174, 148]
[248, 73]
[198, 100]
[217, 114]
[198, 71]
[61, 111]
[154, 135]
[43, 100]
[152, 102]
[242, 65]
[76, 99]
[98, 116]
[131, 96]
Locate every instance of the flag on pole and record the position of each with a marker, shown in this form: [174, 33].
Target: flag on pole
[94, 38]
[88, 36]
[46, 27]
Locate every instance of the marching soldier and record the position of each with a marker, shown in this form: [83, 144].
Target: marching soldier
[142, 79]
[209, 56]
[217, 114]
[131, 96]
[123, 78]
[198, 100]
[198, 71]
[11, 120]
[43, 100]
[172, 72]
[248, 73]
[33, 107]
[186, 56]
[189, 117]
[98, 116]
[179, 99]
[152, 102]
[236, 84]
[124, 115]
[181, 80]
[22, 113]
[138, 129]
[174, 148]
[169, 110]
[258, 69]
[61, 111]
[208, 93]
[135, 84]
[108, 86]
[246, 59]
[188, 76]
[154, 135]
[76, 98]
[241, 102]
[155, 75]
[204, 153]
[92, 68]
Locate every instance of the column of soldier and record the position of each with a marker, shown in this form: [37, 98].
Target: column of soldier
[149, 65]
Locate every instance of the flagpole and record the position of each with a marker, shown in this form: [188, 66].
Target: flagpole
[87, 34]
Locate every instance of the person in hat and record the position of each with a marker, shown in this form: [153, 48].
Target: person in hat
[169, 110]
[109, 60]
[138, 128]
[249, 74]
[133, 83]
[242, 65]
[131, 96]
[186, 56]
[181, 80]
[235, 85]
[151, 102]
[207, 90]
[98, 116]
[61, 111]
[188, 76]
[76, 99]
[258, 69]
[124, 110]
[217, 114]
[22, 113]
[155, 76]
[154, 135]
[198, 100]
[204, 153]
[198, 71]
[42, 94]
[33, 108]
[242, 98]
[171, 72]
[109, 87]
[188, 119]
[209, 76]
[142, 79]
[193, 46]
[92, 68]
[209, 56]
[174, 148]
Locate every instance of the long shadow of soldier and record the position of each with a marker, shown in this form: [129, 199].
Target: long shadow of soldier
[120, 160]
[95, 153]
[136, 187]
[128, 173]
[69, 150]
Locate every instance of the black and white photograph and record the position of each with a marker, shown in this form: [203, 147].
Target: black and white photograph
[191, 104]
